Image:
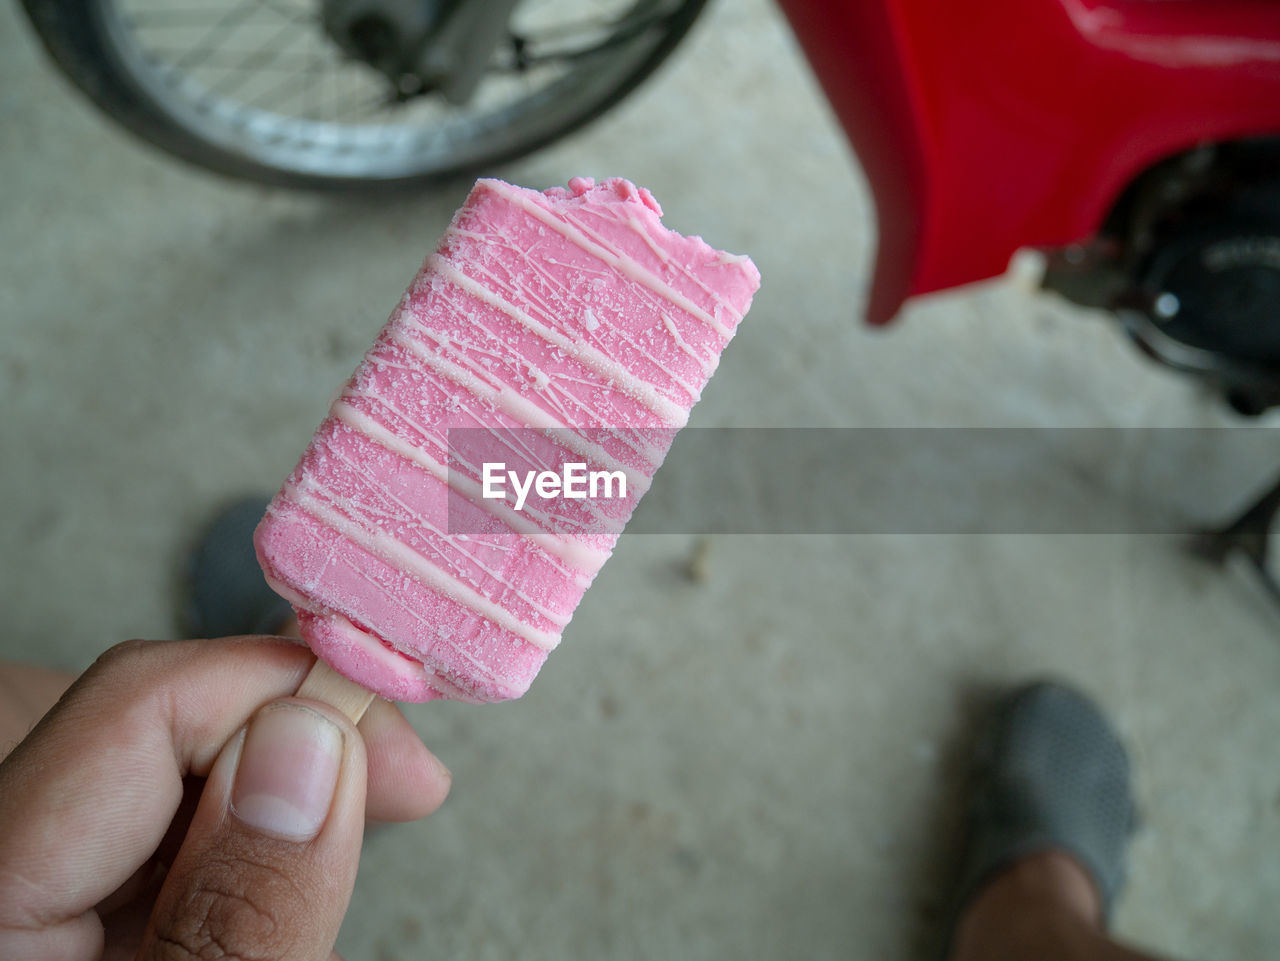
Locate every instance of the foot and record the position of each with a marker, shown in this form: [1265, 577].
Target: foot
[1050, 818]
[1038, 907]
[226, 592]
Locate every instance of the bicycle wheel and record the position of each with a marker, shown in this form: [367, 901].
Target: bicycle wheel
[257, 89]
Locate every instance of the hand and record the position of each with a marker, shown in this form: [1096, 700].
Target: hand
[143, 817]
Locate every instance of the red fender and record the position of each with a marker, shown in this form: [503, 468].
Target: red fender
[986, 126]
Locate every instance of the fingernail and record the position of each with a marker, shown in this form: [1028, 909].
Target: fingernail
[288, 772]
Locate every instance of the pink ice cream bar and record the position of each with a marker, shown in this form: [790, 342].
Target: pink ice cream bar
[555, 327]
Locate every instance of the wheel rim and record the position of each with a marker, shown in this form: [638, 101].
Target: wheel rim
[258, 79]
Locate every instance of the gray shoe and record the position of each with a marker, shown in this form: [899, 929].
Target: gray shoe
[226, 592]
[1049, 773]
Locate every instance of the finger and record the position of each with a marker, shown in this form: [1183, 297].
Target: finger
[88, 796]
[123, 927]
[406, 781]
[269, 862]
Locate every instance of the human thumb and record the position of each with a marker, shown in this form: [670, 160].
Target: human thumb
[269, 862]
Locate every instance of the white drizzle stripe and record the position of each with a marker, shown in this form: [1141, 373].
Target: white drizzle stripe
[318, 494]
[570, 438]
[675, 414]
[565, 568]
[602, 524]
[370, 428]
[640, 228]
[303, 602]
[692, 389]
[626, 219]
[408, 516]
[364, 638]
[683, 344]
[635, 480]
[582, 557]
[658, 252]
[620, 262]
[504, 397]
[470, 489]
[501, 396]
[517, 446]
[388, 548]
[520, 410]
[380, 647]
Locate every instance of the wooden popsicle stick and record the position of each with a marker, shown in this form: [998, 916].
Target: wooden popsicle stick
[327, 685]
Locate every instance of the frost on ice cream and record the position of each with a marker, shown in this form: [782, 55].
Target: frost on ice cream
[569, 327]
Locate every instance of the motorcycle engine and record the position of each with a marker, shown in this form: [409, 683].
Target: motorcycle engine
[1190, 263]
[1218, 289]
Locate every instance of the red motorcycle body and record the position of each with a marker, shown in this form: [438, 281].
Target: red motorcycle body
[987, 126]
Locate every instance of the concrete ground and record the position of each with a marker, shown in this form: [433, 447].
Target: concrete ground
[758, 763]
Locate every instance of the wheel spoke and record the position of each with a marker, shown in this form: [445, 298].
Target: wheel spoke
[264, 74]
[268, 50]
[315, 69]
[234, 59]
[219, 31]
[263, 98]
[296, 14]
[357, 106]
[191, 16]
[187, 19]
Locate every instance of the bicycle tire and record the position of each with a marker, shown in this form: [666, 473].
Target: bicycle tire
[76, 37]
